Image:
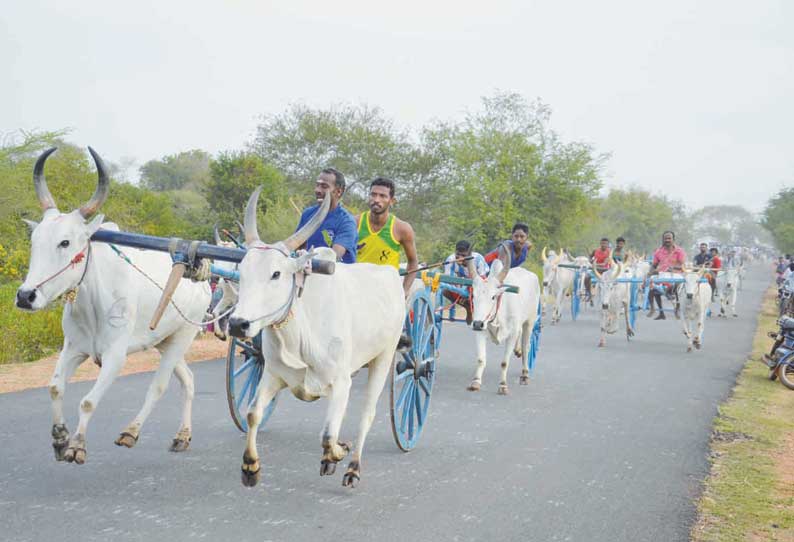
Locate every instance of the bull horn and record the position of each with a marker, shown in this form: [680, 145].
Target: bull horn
[471, 267]
[102, 188]
[249, 228]
[40, 184]
[595, 271]
[543, 255]
[216, 234]
[507, 261]
[294, 241]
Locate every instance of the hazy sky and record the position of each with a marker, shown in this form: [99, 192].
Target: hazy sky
[692, 98]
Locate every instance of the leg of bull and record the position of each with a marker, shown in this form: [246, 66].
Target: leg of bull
[333, 450]
[503, 389]
[376, 379]
[688, 335]
[526, 335]
[68, 361]
[112, 361]
[626, 313]
[185, 434]
[476, 382]
[171, 352]
[269, 386]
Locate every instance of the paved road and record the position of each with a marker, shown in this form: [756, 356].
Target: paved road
[605, 444]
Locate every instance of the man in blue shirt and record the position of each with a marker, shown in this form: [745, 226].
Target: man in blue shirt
[339, 229]
[518, 242]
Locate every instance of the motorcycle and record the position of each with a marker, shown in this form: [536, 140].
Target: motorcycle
[785, 297]
[781, 360]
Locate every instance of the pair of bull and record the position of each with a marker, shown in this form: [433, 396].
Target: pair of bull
[317, 330]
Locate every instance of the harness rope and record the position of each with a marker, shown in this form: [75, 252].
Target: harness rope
[71, 293]
[173, 304]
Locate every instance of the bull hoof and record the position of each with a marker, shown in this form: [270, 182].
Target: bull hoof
[688, 349]
[327, 467]
[518, 353]
[128, 440]
[602, 343]
[502, 390]
[250, 471]
[353, 475]
[523, 380]
[75, 453]
[735, 315]
[179, 445]
[474, 386]
[697, 345]
[350, 479]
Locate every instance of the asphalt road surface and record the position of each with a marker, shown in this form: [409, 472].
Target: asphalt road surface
[605, 444]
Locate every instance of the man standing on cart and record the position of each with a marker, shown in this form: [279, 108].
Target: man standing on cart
[667, 260]
[338, 230]
[601, 260]
[381, 235]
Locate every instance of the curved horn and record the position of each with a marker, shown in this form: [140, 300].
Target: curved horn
[40, 184]
[471, 267]
[595, 272]
[543, 255]
[294, 241]
[249, 228]
[507, 261]
[216, 234]
[102, 187]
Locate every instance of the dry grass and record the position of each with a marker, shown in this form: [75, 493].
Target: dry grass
[36, 374]
[749, 493]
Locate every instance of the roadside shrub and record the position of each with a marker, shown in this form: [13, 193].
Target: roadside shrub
[27, 336]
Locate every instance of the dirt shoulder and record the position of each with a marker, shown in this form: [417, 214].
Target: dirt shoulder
[749, 493]
[37, 374]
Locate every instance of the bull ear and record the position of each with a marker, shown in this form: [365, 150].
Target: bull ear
[31, 224]
[95, 223]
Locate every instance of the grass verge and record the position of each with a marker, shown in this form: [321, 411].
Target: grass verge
[749, 493]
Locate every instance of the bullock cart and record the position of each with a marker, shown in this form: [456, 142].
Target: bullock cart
[638, 299]
[413, 372]
[244, 360]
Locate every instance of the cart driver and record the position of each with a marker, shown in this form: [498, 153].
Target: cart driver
[668, 259]
[382, 236]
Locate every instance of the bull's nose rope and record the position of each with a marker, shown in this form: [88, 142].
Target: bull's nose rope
[71, 293]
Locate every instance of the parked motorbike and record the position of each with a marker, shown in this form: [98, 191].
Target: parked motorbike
[781, 360]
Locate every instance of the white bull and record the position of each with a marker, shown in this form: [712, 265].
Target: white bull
[615, 298]
[107, 312]
[316, 332]
[727, 286]
[508, 318]
[557, 281]
[695, 296]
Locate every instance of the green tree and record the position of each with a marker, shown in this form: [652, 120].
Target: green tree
[638, 215]
[729, 224]
[778, 218]
[233, 177]
[184, 170]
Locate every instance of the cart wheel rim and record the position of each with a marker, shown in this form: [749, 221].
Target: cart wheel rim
[244, 367]
[413, 374]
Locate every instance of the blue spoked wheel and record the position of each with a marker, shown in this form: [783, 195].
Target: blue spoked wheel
[244, 366]
[534, 342]
[413, 373]
[575, 301]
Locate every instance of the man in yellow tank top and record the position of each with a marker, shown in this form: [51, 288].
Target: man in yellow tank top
[381, 235]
